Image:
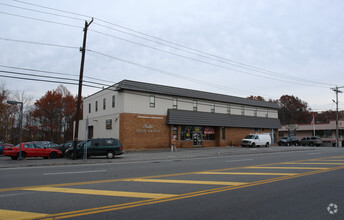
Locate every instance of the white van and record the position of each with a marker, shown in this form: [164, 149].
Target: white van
[253, 140]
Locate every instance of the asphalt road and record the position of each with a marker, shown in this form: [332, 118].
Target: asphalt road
[281, 185]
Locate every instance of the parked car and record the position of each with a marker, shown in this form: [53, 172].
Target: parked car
[108, 147]
[253, 140]
[47, 144]
[65, 146]
[288, 141]
[3, 145]
[30, 149]
[311, 141]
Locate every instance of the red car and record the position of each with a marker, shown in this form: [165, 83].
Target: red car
[31, 150]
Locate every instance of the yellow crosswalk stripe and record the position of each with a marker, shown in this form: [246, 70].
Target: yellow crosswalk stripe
[187, 182]
[247, 173]
[102, 192]
[16, 215]
[287, 168]
[314, 163]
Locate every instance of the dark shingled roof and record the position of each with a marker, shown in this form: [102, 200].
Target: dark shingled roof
[182, 117]
[188, 93]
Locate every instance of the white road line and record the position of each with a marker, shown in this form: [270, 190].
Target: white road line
[313, 153]
[14, 194]
[77, 172]
[230, 161]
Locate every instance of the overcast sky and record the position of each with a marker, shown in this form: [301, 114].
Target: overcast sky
[300, 43]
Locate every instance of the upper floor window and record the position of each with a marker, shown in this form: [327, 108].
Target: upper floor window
[255, 112]
[89, 107]
[212, 107]
[96, 106]
[242, 110]
[228, 109]
[113, 101]
[104, 103]
[195, 105]
[267, 113]
[175, 103]
[152, 101]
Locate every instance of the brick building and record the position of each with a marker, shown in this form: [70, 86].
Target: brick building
[145, 116]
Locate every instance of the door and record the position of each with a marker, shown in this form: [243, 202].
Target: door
[90, 132]
[197, 138]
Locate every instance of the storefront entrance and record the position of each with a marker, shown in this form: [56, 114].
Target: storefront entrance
[197, 135]
[197, 138]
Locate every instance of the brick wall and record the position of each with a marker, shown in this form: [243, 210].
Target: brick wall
[139, 131]
[144, 131]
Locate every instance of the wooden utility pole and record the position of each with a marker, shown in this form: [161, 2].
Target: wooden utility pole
[76, 130]
[336, 90]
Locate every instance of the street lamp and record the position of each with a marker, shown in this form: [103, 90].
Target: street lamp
[21, 126]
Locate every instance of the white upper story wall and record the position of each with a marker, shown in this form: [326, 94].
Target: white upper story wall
[140, 103]
[93, 106]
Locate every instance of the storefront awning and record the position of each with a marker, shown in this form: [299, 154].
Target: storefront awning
[182, 117]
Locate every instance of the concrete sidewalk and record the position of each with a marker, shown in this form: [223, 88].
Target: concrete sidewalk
[153, 155]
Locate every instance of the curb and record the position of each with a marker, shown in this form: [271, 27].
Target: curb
[152, 155]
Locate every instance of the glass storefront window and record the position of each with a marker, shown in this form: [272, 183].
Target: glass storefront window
[188, 133]
[175, 131]
[323, 133]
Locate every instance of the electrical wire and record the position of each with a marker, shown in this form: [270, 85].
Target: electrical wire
[236, 106]
[197, 60]
[42, 12]
[150, 36]
[204, 62]
[49, 81]
[199, 52]
[237, 65]
[50, 77]
[168, 73]
[54, 9]
[42, 20]
[38, 43]
[56, 73]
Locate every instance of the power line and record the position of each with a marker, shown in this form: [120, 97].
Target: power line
[38, 43]
[50, 77]
[56, 73]
[248, 67]
[175, 44]
[49, 81]
[72, 47]
[205, 62]
[54, 9]
[171, 74]
[109, 87]
[199, 52]
[42, 12]
[197, 60]
[42, 20]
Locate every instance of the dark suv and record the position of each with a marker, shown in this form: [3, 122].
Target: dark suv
[288, 141]
[65, 146]
[311, 141]
[108, 147]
